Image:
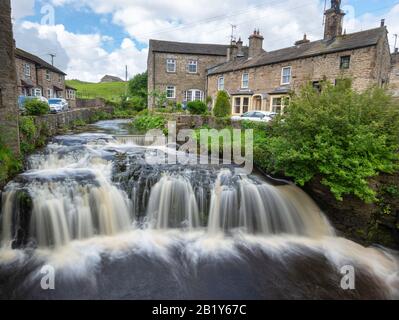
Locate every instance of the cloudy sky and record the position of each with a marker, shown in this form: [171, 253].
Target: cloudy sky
[92, 38]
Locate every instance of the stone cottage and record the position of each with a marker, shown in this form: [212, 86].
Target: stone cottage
[394, 79]
[180, 69]
[258, 79]
[36, 77]
[263, 80]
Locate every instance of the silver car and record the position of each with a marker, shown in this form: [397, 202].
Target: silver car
[58, 105]
[258, 116]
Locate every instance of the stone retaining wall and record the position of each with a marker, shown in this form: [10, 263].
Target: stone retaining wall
[90, 103]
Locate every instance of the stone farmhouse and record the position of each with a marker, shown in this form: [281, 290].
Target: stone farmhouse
[36, 77]
[257, 79]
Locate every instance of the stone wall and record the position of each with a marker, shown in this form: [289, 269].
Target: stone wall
[90, 103]
[56, 123]
[159, 78]
[394, 79]
[9, 131]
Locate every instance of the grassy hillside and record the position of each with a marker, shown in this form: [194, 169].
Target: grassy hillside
[88, 90]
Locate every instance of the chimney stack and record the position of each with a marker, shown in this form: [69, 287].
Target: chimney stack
[255, 44]
[333, 20]
[240, 53]
[232, 51]
[396, 50]
[304, 40]
[382, 23]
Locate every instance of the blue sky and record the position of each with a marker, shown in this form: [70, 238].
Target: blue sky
[94, 37]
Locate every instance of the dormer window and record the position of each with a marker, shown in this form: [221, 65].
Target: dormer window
[245, 81]
[192, 66]
[171, 65]
[286, 75]
[345, 62]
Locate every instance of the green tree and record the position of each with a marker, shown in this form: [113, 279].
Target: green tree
[35, 107]
[197, 107]
[338, 135]
[222, 106]
[138, 85]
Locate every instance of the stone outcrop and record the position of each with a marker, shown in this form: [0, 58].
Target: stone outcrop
[9, 132]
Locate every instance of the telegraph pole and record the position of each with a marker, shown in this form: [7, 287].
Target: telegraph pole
[396, 40]
[233, 27]
[52, 55]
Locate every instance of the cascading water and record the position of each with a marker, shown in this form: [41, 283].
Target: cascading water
[94, 208]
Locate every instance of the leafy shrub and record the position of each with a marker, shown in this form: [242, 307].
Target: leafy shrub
[28, 133]
[222, 106]
[197, 107]
[35, 107]
[147, 122]
[134, 103]
[339, 135]
[9, 164]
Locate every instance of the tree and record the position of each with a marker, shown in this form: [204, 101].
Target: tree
[222, 106]
[339, 135]
[138, 85]
[197, 107]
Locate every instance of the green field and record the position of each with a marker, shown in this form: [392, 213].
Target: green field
[88, 90]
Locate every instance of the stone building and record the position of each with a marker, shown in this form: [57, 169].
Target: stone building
[180, 69]
[263, 80]
[257, 79]
[394, 79]
[107, 78]
[9, 133]
[36, 77]
[70, 96]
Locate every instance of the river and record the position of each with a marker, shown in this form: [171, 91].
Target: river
[112, 226]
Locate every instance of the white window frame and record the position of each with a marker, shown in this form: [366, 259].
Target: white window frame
[173, 89]
[60, 78]
[191, 95]
[283, 104]
[171, 62]
[37, 92]
[221, 83]
[243, 85]
[191, 63]
[27, 72]
[49, 93]
[282, 75]
[48, 75]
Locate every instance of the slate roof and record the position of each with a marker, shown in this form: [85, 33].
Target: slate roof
[35, 59]
[346, 42]
[188, 48]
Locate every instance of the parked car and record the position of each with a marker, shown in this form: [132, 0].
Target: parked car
[259, 116]
[23, 99]
[58, 105]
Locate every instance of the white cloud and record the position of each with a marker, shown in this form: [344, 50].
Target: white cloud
[22, 8]
[281, 22]
[81, 55]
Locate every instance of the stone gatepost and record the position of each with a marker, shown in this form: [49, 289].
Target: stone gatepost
[9, 132]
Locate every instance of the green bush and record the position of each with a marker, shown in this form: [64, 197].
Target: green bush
[147, 122]
[134, 103]
[28, 133]
[35, 107]
[197, 107]
[9, 164]
[338, 135]
[222, 105]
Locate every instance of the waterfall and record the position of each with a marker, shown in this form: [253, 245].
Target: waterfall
[172, 204]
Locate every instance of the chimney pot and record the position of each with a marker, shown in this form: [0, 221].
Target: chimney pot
[382, 22]
[396, 50]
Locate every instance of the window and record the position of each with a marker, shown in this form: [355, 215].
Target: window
[345, 62]
[171, 92]
[49, 93]
[245, 105]
[37, 92]
[171, 65]
[70, 94]
[26, 68]
[48, 75]
[237, 105]
[278, 103]
[221, 83]
[316, 85]
[60, 78]
[286, 75]
[245, 81]
[193, 94]
[192, 66]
